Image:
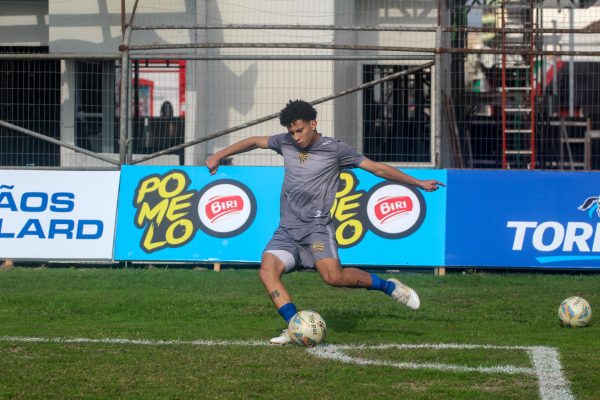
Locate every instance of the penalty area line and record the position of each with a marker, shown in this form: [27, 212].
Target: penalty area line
[546, 366]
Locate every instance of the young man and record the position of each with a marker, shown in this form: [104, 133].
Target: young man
[312, 163]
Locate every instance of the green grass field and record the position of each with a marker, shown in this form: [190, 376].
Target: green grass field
[197, 334]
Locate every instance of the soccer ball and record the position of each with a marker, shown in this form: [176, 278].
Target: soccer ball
[307, 328]
[575, 312]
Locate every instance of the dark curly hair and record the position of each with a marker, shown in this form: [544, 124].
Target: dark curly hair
[295, 110]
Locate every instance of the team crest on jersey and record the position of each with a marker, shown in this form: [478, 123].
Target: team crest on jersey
[303, 157]
[317, 247]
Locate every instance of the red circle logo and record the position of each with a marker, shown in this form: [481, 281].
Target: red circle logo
[395, 210]
[226, 208]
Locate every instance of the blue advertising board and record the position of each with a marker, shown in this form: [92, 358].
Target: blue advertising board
[185, 214]
[523, 219]
[163, 213]
[394, 225]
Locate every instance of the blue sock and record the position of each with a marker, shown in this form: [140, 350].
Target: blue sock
[287, 311]
[381, 284]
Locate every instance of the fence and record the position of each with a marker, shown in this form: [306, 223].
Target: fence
[448, 84]
[524, 85]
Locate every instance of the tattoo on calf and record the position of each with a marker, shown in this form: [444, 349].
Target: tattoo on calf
[274, 294]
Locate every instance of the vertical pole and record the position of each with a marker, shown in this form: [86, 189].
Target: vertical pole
[438, 96]
[122, 19]
[129, 119]
[123, 106]
[503, 90]
[571, 64]
[554, 81]
[531, 86]
[124, 84]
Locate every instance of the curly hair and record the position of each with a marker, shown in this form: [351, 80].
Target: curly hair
[295, 110]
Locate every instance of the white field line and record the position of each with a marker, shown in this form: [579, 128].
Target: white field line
[552, 383]
[333, 352]
[142, 342]
[545, 360]
[546, 363]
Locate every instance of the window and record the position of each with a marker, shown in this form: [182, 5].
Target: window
[158, 89]
[396, 115]
[95, 121]
[29, 98]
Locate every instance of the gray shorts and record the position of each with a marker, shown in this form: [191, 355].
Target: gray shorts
[303, 246]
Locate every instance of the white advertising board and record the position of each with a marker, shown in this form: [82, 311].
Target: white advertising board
[57, 215]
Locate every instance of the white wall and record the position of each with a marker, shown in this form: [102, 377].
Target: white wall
[24, 23]
[95, 26]
[560, 18]
[422, 13]
[236, 92]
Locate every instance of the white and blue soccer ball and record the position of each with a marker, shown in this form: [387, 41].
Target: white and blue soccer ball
[575, 312]
[307, 328]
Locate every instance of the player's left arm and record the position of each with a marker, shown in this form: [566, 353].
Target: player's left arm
[388, 172]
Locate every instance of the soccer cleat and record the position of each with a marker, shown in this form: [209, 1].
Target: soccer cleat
[405, 295]
[282, 339]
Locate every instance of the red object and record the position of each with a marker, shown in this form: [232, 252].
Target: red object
[388, 207]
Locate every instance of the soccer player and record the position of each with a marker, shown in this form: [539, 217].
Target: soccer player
[312, 163]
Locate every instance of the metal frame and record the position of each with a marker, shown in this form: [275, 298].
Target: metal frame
[275, 115]
[128, 52]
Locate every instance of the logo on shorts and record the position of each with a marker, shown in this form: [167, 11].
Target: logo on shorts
[226, 208]
[303, 157]
[317, 247]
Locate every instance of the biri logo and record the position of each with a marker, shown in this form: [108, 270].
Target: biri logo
[395, 210]
[220, 207]
[226, 208]
[389, 210]
[391, 207]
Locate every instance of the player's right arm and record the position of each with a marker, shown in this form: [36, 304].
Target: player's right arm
[251, 143]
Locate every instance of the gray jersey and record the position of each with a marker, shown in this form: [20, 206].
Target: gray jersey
[311, 178]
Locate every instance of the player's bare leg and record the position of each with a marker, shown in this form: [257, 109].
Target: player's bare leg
[333, 274]
[271, 270]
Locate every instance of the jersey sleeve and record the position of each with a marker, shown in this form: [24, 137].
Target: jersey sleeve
[276, 141]
[348, 157]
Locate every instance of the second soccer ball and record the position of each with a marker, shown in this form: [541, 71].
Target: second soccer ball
[575, 312]
[307, 328]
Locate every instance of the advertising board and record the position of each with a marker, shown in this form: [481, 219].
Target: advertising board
[529, 219]
[185, 214]
[57, 215]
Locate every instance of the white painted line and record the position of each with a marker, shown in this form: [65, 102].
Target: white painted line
[551, 381]
[143, 342]
[433, 346]
[546, 363]
[333, 352]
[545, 360]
